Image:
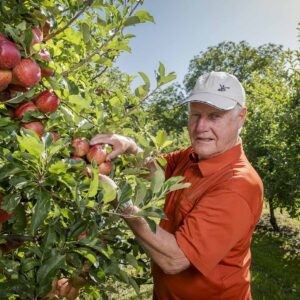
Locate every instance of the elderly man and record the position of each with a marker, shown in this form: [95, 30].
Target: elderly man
[202, 251]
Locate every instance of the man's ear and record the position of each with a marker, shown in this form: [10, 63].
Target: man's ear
[242, 116]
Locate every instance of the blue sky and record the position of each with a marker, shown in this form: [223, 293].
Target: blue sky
[183, 28]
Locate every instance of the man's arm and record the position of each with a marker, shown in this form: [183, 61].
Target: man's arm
[161, 246]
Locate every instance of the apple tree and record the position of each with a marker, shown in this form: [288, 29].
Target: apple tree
[58, 88]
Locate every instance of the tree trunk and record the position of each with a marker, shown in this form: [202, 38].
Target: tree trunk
[272, 217]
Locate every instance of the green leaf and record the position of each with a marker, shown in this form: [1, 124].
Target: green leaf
[94, 183]
[144, 16]
[5, 121]
[152, 212]
[73, 36]
[166, 79]
[161, 69]
[9, 170]
[109, 192]
[79, 101]
[49, 239]
[19, 182]
[58, 167]
[151, 224]
[49, 268]
[29, 264]
[30, 142]
[126, 193]
[179, 186]
[157, 179]
[11, 201]
[18, 219]
[85, 32]
[132, 260]
[140, 91]
[141, 191]
[40, 209]
[88, 254]
[132, 20]
[146, 81]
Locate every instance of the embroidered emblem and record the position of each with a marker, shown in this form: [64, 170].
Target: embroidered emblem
[223, 88]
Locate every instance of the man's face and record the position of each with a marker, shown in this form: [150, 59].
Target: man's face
[213, 131]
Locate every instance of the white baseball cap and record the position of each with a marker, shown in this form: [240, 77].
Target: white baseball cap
[219, 89]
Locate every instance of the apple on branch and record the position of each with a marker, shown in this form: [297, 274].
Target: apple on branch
[55, 136]
[24, 107]
[105, 167]
[5, 79]
[35, 126]
[37, 36]
[96, 153]
[44, 55]
[81, 146]
[47, 101]
[27, 73]
[10, 55]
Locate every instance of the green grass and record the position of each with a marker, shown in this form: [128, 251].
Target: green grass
[275, 271]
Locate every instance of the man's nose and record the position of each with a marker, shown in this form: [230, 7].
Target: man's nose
[202, 124]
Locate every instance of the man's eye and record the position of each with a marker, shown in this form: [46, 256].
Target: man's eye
[194, 117]
[215, 116]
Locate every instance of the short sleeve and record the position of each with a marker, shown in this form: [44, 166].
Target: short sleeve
[171, 159]
[213, 227]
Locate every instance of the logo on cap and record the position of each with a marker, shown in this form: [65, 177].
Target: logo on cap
[223, 88]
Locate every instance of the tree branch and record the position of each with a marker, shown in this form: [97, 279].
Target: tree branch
[18, 238]
[53, 34]
[88, 57]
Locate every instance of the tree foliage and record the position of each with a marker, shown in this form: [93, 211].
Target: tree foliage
[239, 59]
[62, 223]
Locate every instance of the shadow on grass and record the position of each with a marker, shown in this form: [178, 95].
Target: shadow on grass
[275, 272]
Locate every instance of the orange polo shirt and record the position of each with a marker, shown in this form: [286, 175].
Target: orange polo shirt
[213, 221]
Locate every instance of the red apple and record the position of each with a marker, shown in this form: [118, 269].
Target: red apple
[4, 216]
[46, 72]
[47, 101]
[9, 54]
[81, 146]
[96, 153]
[44, 55]
[37, 127]
[55, 136]
[27, 73]
[5, 79]
[105, 167]
[37, 36]
[22, 108]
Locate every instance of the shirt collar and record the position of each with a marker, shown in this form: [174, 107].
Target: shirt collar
[212, 165]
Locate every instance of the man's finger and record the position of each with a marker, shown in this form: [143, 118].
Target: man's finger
[114, 154]
[101, 139]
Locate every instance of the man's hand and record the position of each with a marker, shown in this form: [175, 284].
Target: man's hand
[66, 287]
[119, 143]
